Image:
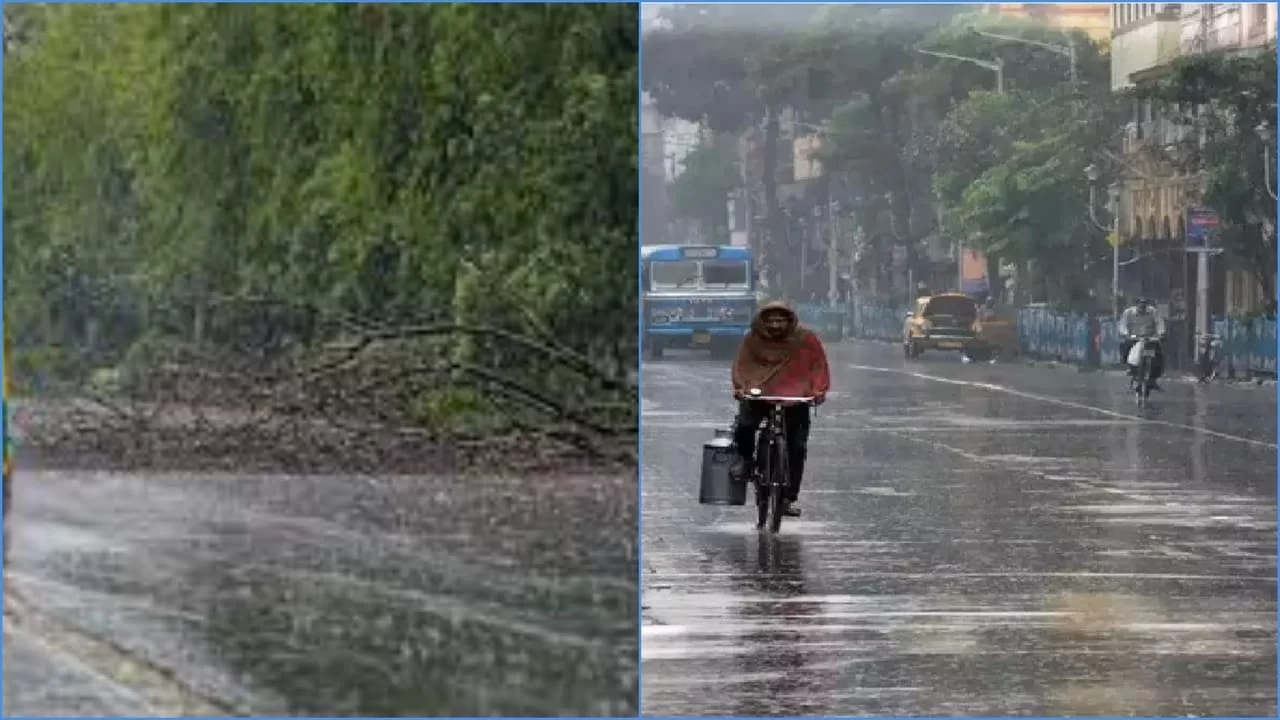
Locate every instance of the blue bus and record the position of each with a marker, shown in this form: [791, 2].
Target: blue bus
[696, 296]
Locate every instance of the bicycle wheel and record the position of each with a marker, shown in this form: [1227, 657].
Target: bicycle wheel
[778, 481]
[764, 451]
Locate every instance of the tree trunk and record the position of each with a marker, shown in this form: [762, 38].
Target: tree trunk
[775, 253]
[994, 287]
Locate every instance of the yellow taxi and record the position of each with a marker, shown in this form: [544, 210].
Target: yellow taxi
[949, 321]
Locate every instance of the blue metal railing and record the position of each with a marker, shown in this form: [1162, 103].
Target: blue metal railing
[1052, 335]
[1249, 345]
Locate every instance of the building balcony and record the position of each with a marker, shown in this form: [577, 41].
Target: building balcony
[1158, 134]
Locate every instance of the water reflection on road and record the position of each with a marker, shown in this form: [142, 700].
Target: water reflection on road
[967, 550]
[322, 595]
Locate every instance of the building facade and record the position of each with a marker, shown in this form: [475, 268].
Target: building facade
[1154, 192]
[1093, 19]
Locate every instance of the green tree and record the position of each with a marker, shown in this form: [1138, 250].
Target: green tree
[1220, 101]
[1009, 168]
[171, 167]
[730, 68]
[701, 191]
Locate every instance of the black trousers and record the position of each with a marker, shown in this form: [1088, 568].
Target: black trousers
[1157, 364]
[751, 414]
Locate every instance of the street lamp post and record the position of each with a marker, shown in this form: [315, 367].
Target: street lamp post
[1113, 207]
[996, 66]
[1264, 134]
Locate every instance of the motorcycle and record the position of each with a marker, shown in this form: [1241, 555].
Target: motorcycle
[1140, 360]
[1210, 349]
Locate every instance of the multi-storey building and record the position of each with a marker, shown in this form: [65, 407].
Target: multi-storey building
[1155, 191]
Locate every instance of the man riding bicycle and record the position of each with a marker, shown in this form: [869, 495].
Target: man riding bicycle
[780, 358]
[1141, 320]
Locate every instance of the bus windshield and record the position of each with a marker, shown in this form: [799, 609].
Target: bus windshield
[725, 274]
[672, 274]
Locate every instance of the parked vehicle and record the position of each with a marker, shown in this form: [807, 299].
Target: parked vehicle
[949, 321]
[1209, 350]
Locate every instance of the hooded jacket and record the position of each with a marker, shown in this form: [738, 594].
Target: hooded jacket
[793, 366]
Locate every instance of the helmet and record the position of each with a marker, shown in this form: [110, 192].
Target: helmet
[1144, 302]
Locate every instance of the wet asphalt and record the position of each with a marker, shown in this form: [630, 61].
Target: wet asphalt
[975, 540]
[169, 594]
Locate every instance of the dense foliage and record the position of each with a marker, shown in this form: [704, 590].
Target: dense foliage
[201, 173]
[710, 175]
[1224, 101]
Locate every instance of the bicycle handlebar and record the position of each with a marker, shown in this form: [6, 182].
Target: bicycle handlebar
[755, 395]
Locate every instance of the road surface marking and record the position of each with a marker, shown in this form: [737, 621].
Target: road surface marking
[1064, 403]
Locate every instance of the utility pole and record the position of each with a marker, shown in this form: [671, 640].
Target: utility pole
[1112, 229]
[996, 66]
[1202, 227]
[1113, 202]
[832, 250]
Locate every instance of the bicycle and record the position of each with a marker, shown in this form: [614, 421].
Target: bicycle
[772, 478]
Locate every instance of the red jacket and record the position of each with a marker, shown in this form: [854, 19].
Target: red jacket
[795, 366]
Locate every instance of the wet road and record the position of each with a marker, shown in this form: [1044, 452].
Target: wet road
[976, 540]
[209, 594]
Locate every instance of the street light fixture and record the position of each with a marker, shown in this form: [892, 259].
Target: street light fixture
[996, 66]
[1068, 50]
[1264, 134]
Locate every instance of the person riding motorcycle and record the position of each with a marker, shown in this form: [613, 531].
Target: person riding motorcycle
[780, 358]
[1142, 320]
